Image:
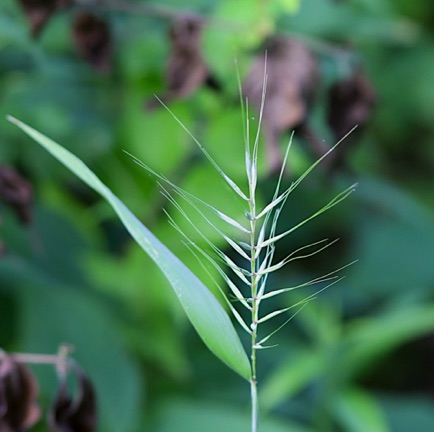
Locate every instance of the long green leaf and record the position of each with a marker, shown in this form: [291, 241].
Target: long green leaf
[203, 310]
[359, 411]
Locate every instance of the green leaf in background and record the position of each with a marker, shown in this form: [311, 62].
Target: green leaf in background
[291, 377]
[394, 241]
[186, 416]
[369, 339]
[358, 411]
[406, 414]
[279, 7]
[250, 22]
[290, 6]
[203, 310]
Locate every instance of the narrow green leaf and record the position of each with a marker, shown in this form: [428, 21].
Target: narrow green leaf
[203, 310]
[371, 338]
[359, 411]
[293, 374]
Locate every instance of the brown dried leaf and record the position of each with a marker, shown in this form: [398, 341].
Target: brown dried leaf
[186, 69]
[351, 103]
[78, 414]
[292, 82]
[17, 192]
[38, 12]
[18, 391]
[93, 40]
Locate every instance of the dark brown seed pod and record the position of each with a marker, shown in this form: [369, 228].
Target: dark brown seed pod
[18, 391]
[93, 40]
[74, 414]
[186, 68]
[350, 103]
[292, 82]
[16, 192]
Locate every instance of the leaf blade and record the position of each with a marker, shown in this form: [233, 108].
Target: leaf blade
[203, 310]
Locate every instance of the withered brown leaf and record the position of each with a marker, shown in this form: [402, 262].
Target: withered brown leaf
[292, 82]
[38, 12]
[74, 414]
[18, 391]
[350, 103]
[186, 68]
[93, 40]
[17, 192]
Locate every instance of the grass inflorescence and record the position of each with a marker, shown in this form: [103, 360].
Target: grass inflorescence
[254, 242]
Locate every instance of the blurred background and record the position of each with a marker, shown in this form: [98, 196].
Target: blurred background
[84, 72]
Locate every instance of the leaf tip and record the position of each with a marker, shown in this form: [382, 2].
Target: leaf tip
[12, 119]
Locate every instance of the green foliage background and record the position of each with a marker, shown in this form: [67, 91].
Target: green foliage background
[358, 358]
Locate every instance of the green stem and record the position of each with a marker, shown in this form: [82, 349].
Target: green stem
[254, 397]
[255, 309]
[253, 381]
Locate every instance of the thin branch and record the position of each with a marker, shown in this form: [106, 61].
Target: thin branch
[169, 13]
[152, 10]
[61, 360]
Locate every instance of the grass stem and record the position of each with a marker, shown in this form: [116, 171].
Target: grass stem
[254, 279]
